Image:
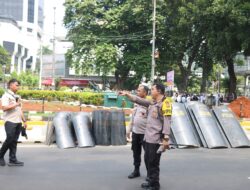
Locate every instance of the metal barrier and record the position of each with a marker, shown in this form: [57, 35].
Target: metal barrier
[82, 125]
[183, 131]
[231, 127]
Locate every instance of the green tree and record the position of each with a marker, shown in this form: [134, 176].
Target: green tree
[106, 56]
[5, 60]
[46, 51]
[189, 32]
[227, 33]
[27, 79]
[4, 56]
[124, 24]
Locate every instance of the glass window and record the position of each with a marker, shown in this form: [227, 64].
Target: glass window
[29, 30]
[12, 9]
[31, 11]
[40, 13]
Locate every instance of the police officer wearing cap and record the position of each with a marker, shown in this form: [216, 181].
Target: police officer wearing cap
[13, 118]
[157, 131]
[137, 127]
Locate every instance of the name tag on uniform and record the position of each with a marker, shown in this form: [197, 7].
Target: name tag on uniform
[155, 113]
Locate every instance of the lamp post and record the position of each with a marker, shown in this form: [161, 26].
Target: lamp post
[41, 65]
[54, 50]
[153, 43]
[41, 60]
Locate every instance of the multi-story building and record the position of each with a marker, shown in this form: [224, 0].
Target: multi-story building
[21, 23]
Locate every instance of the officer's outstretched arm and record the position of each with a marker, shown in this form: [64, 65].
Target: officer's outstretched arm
[136, 99]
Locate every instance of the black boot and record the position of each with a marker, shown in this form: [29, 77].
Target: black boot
[152, 188]
[15, 163]
[135, 173]
[145, 185]
[2, 162]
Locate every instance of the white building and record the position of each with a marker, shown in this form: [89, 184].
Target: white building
[60, 67]
[21, 23]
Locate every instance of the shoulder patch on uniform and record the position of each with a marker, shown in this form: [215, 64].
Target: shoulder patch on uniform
[167, 107]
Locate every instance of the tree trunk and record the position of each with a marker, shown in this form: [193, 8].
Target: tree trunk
[121, 77]
[206, 69]
[184, 80]
[232, 77]
[186, 71]
[204, 78]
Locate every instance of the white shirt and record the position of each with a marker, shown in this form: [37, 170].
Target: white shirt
[13, 115]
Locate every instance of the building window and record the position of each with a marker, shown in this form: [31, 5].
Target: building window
[29, 30]
[12, 9]
[31, 11]
[40, 13]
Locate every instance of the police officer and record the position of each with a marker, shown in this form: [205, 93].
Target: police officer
[157, 131]
[13, 117]
[138, 126]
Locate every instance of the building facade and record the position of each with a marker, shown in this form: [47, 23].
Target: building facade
[21, 24]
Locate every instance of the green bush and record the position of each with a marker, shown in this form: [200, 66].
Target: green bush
[1, 91]
[84, 97]
[64, 88]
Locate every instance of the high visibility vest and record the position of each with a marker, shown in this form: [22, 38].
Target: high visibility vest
[167, 106]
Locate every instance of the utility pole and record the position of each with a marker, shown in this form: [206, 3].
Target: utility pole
[54, 50]
[153, 43]
[41, 60]
[41, 64]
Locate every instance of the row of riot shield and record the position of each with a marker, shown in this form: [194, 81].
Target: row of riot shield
[103, 128]
[73, 129]
[195, 125]
[109, 127]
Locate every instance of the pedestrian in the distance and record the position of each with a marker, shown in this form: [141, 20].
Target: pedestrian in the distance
[13, 118]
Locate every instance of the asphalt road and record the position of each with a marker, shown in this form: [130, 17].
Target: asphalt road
[106, 168]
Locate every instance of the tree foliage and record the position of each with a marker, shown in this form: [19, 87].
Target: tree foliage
[115, 35]
[45, 50]
[4, 56]
[27, 79]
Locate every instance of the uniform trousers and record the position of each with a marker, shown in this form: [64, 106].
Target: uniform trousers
[152, 161]
[12, 134]
[137, 144]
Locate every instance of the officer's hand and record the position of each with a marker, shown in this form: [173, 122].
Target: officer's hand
[128, 135]
[123, 93]
[25, 125]
[165, 144]
[18, 103]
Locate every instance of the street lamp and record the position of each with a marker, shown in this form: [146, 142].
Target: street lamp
[41, 60]
[54, 50]
[153, 43]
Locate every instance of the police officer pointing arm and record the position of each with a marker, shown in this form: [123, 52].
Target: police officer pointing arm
[157, 131]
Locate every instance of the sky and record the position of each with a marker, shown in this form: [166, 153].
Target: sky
[49, 19]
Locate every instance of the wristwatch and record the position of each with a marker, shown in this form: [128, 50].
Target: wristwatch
[166, 137]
